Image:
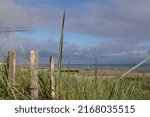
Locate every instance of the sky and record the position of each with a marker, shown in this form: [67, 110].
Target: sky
[112, 31]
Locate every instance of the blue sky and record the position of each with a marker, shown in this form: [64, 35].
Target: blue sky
[73, 37]
[83, 40]
[60, 3]
[113, 31]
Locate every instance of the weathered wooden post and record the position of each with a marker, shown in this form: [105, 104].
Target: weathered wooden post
[11, 69]
[52, 77]
[34, 74]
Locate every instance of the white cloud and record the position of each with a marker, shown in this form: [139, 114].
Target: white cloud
[121, 19]
[14, 16]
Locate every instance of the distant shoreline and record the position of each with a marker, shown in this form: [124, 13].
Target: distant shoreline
[117, 67]
[88, 72]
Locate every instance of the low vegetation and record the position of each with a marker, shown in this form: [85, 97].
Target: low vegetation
[75, 87]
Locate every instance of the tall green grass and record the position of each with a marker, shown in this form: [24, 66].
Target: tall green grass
[60, 53]
[115, 86]
[76, 87]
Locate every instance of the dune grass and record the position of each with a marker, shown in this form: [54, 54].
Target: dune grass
[75, 87]
[60, 54]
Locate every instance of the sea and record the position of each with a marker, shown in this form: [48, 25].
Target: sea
[144, 67]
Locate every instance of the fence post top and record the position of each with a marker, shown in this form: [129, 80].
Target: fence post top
[32, 51]
[11, 51]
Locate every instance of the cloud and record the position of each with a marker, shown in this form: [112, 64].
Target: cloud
[106, 52]
[15, 16]
[123, 21]
[120, 19]
[16, 43]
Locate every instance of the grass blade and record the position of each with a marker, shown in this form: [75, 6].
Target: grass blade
[60, 53]
[136, 66]
[133, 68]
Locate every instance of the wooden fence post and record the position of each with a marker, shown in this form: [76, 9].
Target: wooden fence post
[11, 68]
[34, 75]
[52, 78]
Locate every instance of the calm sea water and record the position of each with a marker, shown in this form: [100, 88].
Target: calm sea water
[144, 67]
